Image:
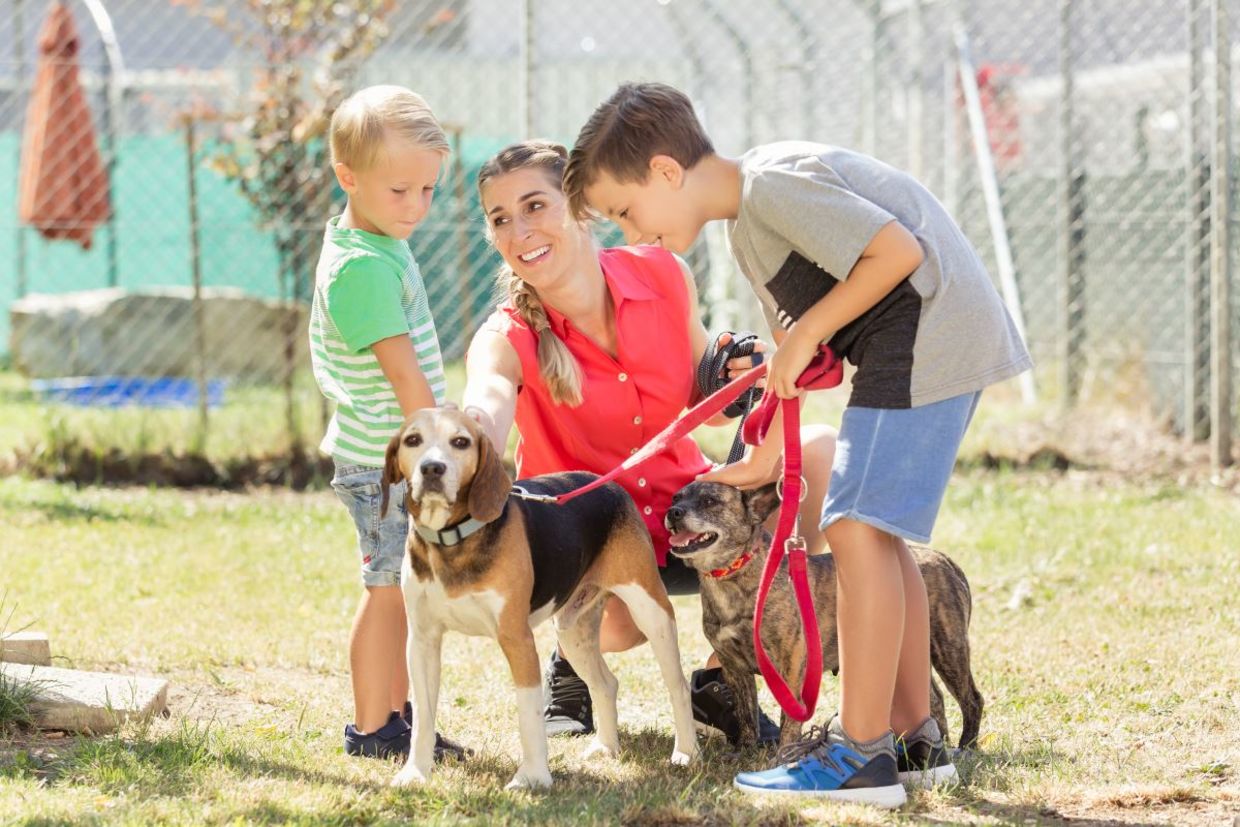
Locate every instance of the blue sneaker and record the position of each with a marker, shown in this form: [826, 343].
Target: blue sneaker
[922, 759]
[829, 764]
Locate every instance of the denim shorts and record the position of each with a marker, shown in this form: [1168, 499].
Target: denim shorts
[892, 465]
[380, 540]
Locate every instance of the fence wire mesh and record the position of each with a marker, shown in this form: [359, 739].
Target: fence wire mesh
[1083, 146]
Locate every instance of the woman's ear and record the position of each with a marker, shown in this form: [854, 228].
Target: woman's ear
[488, 491]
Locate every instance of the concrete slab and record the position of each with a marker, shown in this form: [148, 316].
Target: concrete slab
[89, 702]
[26, 647]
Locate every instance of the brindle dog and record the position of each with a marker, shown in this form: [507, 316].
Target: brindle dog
[714, 526]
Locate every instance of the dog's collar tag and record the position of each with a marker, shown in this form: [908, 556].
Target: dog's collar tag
[733, 567]
[450, 536]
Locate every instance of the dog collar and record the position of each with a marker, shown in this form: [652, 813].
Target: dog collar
[450, 536]
[733, 567]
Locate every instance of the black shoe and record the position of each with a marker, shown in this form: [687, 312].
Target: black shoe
[922, 759]
[569, 710]
[444, 747]
[388, 741]
[714, 708]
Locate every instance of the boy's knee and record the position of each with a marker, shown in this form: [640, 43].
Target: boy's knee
[845, 535]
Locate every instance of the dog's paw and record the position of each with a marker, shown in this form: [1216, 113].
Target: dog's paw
[530, 779]
[411, 776]
[683, 758]
[598, 749]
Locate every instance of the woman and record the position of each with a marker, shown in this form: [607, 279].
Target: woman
[593, 353]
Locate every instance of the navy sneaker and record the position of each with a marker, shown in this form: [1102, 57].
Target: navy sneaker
[444, 747]
[569, 710]
[714, 709]
[388, 741]
[922, 759]
[833, 765]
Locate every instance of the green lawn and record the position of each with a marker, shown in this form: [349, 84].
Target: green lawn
[1105, 638]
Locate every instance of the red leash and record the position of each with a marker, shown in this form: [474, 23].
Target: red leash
[823, 371]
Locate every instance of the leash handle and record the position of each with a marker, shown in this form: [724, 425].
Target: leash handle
[825, 370]
[798, 571]
[694, 417]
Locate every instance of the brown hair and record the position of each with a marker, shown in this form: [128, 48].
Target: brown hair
[638, 122]
[360, 123]
[556, 365]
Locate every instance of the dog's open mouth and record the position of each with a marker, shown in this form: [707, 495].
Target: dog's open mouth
[687, 542]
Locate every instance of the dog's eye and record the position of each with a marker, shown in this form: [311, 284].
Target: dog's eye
[413, 440]
[459, 442]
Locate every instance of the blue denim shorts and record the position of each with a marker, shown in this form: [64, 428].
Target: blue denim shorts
[891, 466]
[380, 540]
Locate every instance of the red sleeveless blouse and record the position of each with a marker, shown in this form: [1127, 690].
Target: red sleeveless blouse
[626, 400]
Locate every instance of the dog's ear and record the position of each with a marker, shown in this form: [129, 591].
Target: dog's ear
[488, 491]
[391, 470]
[761, 502]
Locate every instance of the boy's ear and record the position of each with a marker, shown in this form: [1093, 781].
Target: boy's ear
[345, 177]
[668, 169]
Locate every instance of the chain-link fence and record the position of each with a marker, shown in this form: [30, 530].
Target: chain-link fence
[1083, 146]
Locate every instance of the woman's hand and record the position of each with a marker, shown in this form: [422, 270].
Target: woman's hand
[740, 364]
[789, 362]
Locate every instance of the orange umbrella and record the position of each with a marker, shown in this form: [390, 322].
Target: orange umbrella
[64, 186]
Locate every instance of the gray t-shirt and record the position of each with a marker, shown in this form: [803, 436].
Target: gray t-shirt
[807, 213]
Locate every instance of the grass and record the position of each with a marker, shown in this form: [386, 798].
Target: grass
[39, 435]
[1104, 635]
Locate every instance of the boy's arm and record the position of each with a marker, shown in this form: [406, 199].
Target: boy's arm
[493, 377]
[399, 363]
[890, 257]
[887, 260]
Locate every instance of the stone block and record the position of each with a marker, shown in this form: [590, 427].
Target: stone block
[26, 647]
[88, 702]
[154, 332]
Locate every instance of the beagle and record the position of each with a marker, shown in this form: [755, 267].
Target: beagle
[482, 562]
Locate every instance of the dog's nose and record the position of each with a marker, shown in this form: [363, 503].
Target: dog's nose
[432, 468]
[675, 512]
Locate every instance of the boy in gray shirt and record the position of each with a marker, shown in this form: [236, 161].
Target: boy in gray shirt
[844, 249]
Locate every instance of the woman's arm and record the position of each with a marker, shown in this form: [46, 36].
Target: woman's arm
[493, 376]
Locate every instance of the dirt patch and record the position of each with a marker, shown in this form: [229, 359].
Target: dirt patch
[297, 469]
[1103, 440]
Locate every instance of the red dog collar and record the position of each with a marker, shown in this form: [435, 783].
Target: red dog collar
[733, 567]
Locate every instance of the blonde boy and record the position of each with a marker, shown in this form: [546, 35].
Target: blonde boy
[376, 355]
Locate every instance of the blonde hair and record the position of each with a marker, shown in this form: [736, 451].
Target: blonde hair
[556, 364]
[360, 124]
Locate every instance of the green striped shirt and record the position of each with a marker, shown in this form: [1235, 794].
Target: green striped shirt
[367, 287]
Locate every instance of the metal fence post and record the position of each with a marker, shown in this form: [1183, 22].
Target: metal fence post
[1220, 246]
[869, 105]
[916, 36]
[525, 71]
[1071, 285]
[195, 269]
[1196, 243]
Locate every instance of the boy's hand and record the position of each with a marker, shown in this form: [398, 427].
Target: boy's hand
[789, 362]
[751, 471]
